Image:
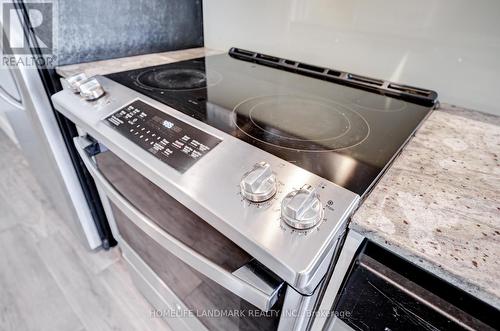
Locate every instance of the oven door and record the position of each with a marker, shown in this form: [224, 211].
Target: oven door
[206, 272]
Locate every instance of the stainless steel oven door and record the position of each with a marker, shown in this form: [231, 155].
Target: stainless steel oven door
[183, 236]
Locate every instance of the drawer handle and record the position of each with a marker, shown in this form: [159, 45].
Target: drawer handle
[246, 282]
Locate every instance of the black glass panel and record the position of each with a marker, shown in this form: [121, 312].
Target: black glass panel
[343, 134]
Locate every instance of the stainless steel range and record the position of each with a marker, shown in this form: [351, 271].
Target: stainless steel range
[231, 178]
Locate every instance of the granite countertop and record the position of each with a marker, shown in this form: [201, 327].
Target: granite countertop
[133, 62]
[438, 205]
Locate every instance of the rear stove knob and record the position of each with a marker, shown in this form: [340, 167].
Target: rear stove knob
[91, 90]
[75, 81]
[259, 184]
[302, 209]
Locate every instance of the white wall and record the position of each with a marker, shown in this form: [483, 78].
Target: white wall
[451, 46]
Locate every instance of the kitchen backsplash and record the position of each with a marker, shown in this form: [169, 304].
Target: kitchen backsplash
[451, 46]
[95, 30]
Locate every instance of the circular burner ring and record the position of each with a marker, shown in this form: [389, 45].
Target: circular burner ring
[375, 103]
[354, 122]
[177, 79]
[250, 112]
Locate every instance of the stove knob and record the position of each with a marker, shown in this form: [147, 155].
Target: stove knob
[75, 81]
[91, 90]
[302, 209]
[259, 184]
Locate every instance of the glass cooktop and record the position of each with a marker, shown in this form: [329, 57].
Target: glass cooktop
[342, 133]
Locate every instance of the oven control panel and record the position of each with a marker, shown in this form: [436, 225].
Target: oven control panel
[178, 144]
[301, 208]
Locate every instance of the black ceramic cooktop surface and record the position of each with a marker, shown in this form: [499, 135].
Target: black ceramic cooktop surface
[341, 133]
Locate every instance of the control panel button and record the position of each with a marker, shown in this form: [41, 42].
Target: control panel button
[91, 90]
[176, 143]
[259, 184]
[75, 81]
[302, 209]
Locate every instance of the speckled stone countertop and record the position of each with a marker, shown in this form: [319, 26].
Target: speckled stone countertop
[439, 203]
[133, 62]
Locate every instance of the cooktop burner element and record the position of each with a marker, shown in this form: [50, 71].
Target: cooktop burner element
[175, 79]
[379, 103]
[300, 123]
[344, 128]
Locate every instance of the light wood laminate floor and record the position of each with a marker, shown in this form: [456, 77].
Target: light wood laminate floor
[48, 280]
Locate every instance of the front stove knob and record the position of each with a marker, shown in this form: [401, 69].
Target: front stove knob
[75, 81]
[91, 90]
[259, 184]
[302, 209]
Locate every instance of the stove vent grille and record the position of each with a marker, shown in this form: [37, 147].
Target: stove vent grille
[408, 93]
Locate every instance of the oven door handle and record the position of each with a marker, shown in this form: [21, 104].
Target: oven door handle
[250, 282]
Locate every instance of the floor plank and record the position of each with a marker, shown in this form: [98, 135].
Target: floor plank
[94, 261]
[8, 218]
[31, 298]
[88, 297]
[48, 279]
[25, 202]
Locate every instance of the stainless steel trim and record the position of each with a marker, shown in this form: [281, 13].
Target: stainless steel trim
[10, 99]
[258, 277]
[324, 321]
[297, 310]
[260, 294]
